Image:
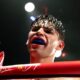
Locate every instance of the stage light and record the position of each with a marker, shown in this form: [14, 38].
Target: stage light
[29, 7]
[32, 18]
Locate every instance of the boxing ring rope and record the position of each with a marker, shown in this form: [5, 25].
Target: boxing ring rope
[41, 70]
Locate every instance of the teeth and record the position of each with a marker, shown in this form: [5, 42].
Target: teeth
[38, 41]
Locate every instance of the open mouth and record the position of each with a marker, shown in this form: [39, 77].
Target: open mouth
[38, 40]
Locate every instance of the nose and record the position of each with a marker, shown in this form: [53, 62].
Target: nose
[40, 31]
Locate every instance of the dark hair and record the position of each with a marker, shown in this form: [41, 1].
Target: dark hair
[55, 23]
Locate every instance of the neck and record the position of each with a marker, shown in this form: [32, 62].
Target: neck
[39, 59]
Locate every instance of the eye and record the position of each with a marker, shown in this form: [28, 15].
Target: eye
[48, 30]
[35, 28]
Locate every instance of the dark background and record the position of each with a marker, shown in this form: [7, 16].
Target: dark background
[15, 24]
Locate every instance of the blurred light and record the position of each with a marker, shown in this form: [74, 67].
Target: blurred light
[32, 18]
[58, 54]
[63, 54]
[29, 7]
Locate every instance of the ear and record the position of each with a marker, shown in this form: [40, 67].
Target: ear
[60, 45]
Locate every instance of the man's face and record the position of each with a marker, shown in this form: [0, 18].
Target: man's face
[42, 40]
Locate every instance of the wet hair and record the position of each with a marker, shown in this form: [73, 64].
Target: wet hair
[58, 26]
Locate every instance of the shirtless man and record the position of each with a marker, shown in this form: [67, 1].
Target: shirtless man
[45, 39]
